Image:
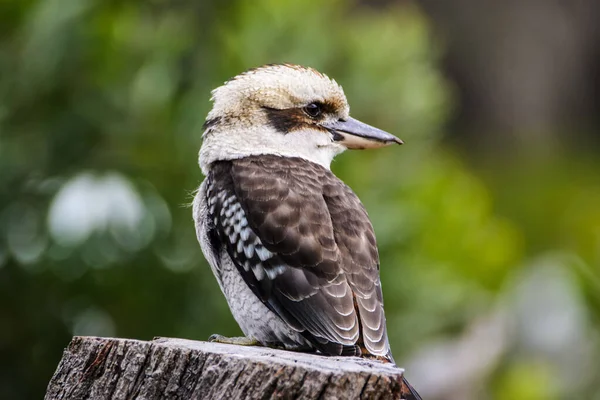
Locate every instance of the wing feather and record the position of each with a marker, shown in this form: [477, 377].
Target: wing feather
[355, 238]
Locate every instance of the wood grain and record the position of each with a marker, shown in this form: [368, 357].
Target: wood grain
[108, 368]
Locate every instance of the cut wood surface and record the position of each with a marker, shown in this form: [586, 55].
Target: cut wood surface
[108, 368]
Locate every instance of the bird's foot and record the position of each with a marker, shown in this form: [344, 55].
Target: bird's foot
[240, 341]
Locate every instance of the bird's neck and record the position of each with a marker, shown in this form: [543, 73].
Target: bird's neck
[310, 145]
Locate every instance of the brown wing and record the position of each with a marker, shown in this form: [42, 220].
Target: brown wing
[304, 244]
[355, 239]
[277, 232]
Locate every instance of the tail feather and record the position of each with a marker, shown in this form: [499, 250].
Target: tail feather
[408, 392]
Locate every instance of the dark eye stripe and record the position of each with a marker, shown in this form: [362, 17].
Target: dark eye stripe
[289, 119]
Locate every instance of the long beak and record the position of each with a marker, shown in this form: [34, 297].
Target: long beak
[357, 135]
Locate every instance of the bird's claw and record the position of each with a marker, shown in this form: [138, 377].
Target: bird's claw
[240, 341]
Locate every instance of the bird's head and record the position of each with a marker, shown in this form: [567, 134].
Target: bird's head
[286, 110]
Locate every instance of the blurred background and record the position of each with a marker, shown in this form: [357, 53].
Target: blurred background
[488, 218]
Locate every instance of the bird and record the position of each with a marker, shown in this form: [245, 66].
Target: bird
[290, 244]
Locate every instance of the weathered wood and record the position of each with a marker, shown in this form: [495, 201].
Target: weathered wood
[106, 368]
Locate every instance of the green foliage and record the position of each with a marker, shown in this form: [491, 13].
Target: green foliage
[103, 102]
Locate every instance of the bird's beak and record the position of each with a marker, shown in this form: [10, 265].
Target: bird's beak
[357, 135]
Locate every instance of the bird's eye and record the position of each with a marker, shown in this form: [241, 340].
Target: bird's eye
[313, 110]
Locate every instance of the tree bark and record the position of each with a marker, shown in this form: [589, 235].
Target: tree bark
[106, 368]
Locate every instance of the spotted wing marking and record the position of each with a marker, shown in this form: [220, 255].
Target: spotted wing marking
[230, 219]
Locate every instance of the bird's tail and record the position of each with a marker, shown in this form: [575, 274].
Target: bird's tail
[408, 392]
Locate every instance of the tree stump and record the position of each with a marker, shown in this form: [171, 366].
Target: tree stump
[106, 368]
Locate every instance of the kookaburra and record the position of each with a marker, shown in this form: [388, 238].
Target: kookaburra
[290, 244]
